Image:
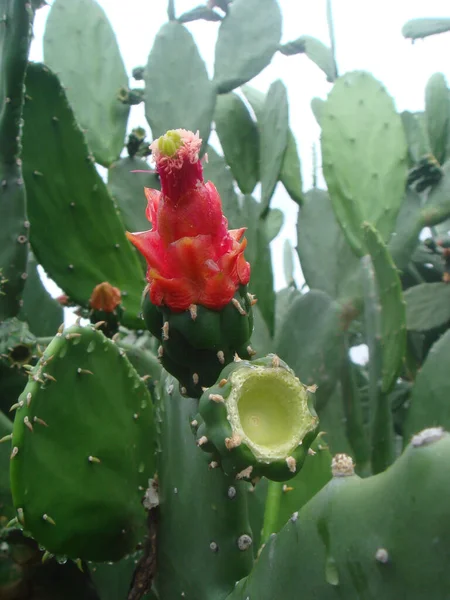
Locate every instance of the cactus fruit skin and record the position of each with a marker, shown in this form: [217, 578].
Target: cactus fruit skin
[197, 343]
[365, 537]
[83, 448]
[258, 419]
[15, 37]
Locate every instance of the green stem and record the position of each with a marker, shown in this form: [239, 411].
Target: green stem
[332, 38]
[272, 509]
[382, 434]
[315, 166]
[171, 10]
[356, 433]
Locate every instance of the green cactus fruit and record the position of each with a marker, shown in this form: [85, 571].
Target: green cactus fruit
[197, 343]
[258, 419]
[83, 449]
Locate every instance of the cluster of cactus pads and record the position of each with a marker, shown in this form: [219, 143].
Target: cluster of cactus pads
[197, 434]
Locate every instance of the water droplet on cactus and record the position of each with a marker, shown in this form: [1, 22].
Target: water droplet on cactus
[141, 467]
[91, 346]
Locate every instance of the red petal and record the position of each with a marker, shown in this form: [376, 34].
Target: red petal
[179, 294]
[151, 211]
[149, 245]
[217, 291]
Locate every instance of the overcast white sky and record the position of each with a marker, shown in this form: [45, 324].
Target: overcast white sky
[368, 36]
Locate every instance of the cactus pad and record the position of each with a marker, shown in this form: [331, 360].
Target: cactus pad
[15, 36]
[77, 235]
[362, 133]
[365, 538]
[82, 448]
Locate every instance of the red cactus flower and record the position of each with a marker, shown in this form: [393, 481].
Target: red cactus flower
[105, 297]
[192, 257]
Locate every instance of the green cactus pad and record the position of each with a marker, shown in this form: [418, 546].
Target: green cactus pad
[427, 306]
[178, 91]
[393, 314]
[127, 190]
[416, 135]
[327, 260]
[290, 174]
[274, 129]
[15, 38]
[77, 235]
[248, 38]
[217, 171]
[196, 344]
[83, 449]
[422, 28]
[17, 346]
[316, 51]
[362, 133]
[204, 537]
[6, 505]
[238, 135]
[258, 419]
[313, 346]
[430, 395]
[437, 115]
[46, 321]
[80, 45]
[259, 256]
[365, 538]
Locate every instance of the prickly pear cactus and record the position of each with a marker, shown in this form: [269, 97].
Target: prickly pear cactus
[154, 437]
[78, 470]
[15, 38]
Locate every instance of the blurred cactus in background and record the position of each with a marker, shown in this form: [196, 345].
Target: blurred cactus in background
[197, 433]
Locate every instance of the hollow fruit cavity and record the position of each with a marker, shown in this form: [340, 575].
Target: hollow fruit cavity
[268, 408]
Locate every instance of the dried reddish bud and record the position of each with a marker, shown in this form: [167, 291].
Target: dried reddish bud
[63, 299]
[192, 257]
[105, 297]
